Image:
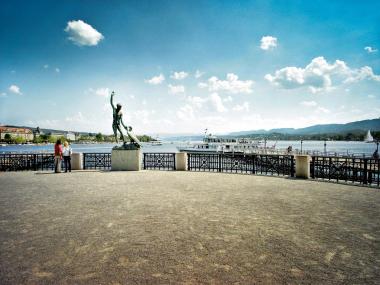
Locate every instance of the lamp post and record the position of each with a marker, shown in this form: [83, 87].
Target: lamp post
[324, 146]
[301, 145]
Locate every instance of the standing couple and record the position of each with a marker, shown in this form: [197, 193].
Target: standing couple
[60, 152]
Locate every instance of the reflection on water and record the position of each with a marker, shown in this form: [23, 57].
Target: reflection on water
[331, 146]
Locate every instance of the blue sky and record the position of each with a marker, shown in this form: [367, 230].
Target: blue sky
[182, 66]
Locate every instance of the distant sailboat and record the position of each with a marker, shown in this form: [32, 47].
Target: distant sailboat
[368, 138]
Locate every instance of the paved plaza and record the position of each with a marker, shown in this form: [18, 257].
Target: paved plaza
[152, 227]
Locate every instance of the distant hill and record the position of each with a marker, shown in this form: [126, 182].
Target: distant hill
[365, 125]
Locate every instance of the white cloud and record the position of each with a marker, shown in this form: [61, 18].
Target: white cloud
[242, 107]
[196, 101]
[144, 102]
[179, 75]
[176, 89]
[3, 94]
[212, 103]
[371, 96]
[319, 75]
[268, 42]
[78, 118]
[104, 92]
[185, 113]
[217, 103]
[232, 84]
[227, 99]
[364, 73]
[309, 103]
[46, 66]
[198, 74]
[83, 34]
[370, 49]
[57, 70]
[155, 80]
[323, 110]
[15, 89]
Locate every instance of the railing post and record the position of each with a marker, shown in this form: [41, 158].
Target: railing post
[253, 164]
[303, 166]
[365, 172]
[312, 167]
[220, 163]
[292, 166]
[188, 161]
[144, 160]
[35, 162]
[181, 162]
[84, 160]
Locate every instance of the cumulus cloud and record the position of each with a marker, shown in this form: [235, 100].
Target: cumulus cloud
[323, 110]
[176, 89]
[179, 75]
[370, 49]
[319, 75]
[232, 84]
[15, 89]
[227, 99]
[185, 113]
[309, 103]
[242, 107]
[46, 66]
[83, 34]
[268, 42]
[217, 103]
[155, 80]
[57, 70]
[103, 92]
[364, 73]
[198, 74]
[212, 103]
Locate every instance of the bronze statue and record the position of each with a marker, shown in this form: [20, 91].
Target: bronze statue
[116, 126]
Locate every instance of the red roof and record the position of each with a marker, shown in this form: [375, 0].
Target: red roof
[15, 130]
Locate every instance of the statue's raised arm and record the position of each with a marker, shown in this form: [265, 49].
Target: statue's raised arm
[112, 94]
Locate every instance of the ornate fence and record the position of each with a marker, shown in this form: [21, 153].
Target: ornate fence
[96, 160]
[20, 162]
[239, 163]
[365, 171]
[356, 170]
[159, 161]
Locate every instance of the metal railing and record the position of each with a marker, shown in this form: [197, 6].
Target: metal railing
[365, 171]
[159, 161]
[21, 162]
[240, 163]
[96, 160]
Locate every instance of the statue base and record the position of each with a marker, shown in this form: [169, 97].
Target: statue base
[126, 159]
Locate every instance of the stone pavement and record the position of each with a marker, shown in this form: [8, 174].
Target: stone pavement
[151, 227]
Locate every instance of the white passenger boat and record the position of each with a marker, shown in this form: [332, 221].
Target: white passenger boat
[213, 144]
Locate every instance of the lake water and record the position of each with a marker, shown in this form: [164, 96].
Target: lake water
[357, 148]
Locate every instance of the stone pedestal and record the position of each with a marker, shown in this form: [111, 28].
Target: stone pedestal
[303, 166]
[77, 161]
[129, 160]
[181, 161]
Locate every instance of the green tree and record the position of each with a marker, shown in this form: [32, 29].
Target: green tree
[99, 137]
[7, 137]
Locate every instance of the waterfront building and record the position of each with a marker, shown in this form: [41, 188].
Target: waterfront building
[14, 132]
